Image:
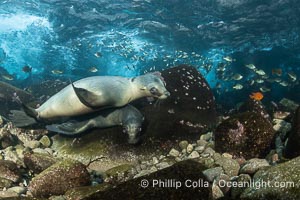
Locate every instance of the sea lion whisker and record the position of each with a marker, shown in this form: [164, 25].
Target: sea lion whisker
[157, 103]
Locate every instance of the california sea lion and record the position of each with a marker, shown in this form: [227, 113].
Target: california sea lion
[128, 117]
[91, 94]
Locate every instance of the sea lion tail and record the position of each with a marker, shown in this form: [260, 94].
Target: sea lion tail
[21, 119]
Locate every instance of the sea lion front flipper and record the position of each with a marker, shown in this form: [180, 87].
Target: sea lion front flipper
[86, 97]
[55, 128]
[68, 128]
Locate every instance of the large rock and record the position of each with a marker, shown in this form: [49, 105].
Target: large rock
[137, 188]
[231, 167]
[9, 170]
[283, 182]
[58, 178]
[190, 108]
[38, 162]
[293, 145]
[247, 135]
[257, 107]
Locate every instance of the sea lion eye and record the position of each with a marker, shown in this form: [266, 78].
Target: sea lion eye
[154, 91]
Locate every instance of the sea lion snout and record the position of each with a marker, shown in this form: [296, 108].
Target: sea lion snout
[133, 131]
[165, 95]
[161, 94]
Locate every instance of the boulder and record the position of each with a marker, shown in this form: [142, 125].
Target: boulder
[190, 109]
[283, 182]
[257, 107]
[9, 170]
[38, 162]
[154, 185]
[230, 166]
[212, 173]
[247, 135]
[58, 178]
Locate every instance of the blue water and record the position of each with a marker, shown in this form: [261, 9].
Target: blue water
[137, 36]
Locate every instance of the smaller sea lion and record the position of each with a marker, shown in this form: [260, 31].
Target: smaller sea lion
[128, 117]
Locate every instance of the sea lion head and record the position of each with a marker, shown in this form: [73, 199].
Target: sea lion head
[133, 128]
[154, 85]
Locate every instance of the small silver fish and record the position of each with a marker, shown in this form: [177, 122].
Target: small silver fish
[250, 66]
[277, 80]
[98, 54]
[260, 72]
[292, 76]
[228, 59]
[283, 83]
[93, 69]
[264, 89]
[57, 71]
[237, 77]
[237, 87]
[259, 81]
[7, 77]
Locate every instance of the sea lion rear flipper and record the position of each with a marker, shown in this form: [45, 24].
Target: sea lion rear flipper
[21, 119]
[31, 112]
[86, 97]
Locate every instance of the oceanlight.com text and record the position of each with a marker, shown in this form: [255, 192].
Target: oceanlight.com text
[256, 184]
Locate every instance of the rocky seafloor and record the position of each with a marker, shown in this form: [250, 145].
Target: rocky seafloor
[187, 150]
[34, 164]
